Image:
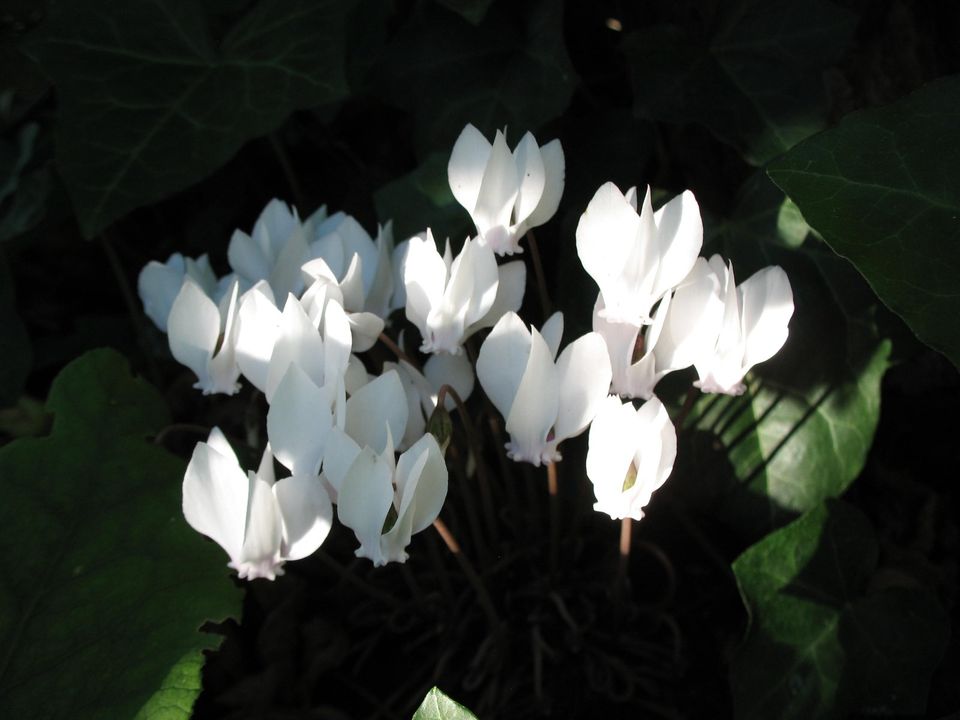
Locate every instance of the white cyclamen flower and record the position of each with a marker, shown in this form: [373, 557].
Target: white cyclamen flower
[754, 327]
[159, 283]
[259, 521]
[448, 297]
[505, 193]
[544, 401]
[203, 337]
[636, 259]
[274, 252]
[684, 329]
[411, 490]
[631, 454]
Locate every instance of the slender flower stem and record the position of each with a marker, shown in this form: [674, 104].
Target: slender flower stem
[623, 561]
[541, 278]
[467, 567]
[395, 349]
[483, 472]
[553, 490]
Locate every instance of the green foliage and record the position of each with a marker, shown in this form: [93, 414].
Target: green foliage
[883, 188]
[512, 70]
[106, 585]
[802, 430]
[178, 691]
[755, 82]
[151, 99]
[824, 639]
[15, 346]
[437, 706]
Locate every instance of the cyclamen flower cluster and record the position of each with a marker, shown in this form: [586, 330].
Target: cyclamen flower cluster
[306, 298]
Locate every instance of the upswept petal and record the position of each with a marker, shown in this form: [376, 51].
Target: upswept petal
[285, 274]
[351, 287]
[554, 171]
[299, 422]
[247, 258]
[467, 163]
[260, 557]
[511, 284]
[656, 451]
[375, 407]
[365, 329]
[453, 370]
[694, 315]
[299, 342]
[259, 328]
[306, 515]
[498, 192]
[679, 239]
[502, 361]
[192, 328]
[534, 409]
[222, 368]
[341, 451]
[215, 492]
[378, 299]
[583, 377]
[552, 332]
[611, 450]
[337, 343]
[425, 277]
[767, 302]
[357, 241]
[365, 497]
[532, 173]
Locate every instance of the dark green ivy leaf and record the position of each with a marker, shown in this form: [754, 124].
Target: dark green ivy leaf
[437, 706]
[106, 585]
[150, 100]
[755, 79]
[883, 188]
[824, 641]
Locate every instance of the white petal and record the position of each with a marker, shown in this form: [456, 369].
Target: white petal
[285, 275]
[299, 342]
[365, 497]
[329, 248]
[259, 327]
[340, 454]
[374, 407]
[425, 277]
[223, 368]
[365, 329]
[306, 513]
[692, 321]
[158, 285]
[498, 189]
[611, 449]
[502, 361]
[467, 163]
[299, 422]
[276, 224]
[530, 167]
[260, 556]
[215, 491]
[247, 258]
[552, 332]
[534, 410]
[767, 302]
[621, 340]
[656, 449]
[679, 237]
[337, 341]
[399, 298]
[554, 171]
[430, 490]
[192, 329]
[357, 241]
[356, 376]
[511, 284]
[480, 261]
[352, 285]
[378, 299]
[583, 376]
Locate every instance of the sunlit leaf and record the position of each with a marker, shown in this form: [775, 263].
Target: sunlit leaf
[883, 188]
[437, 706]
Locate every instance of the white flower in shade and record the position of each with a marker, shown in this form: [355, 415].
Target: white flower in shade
[544, 401]
[203, 337]
[274, 252]
[636, 259]
[684, 328]
[322, 287]
[754, 327]
[159, 283]
[259, 521]
[343, 244]
[505, 193]
[445, 295]
[631, 454]
[386, 501]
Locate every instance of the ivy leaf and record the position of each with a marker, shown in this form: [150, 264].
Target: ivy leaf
[802, 431]
[437, 706]
[178, 691]
[150, 100]
[512, 70]
[110, 585]
[754, 79]
[883, 188]
[823, 640]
